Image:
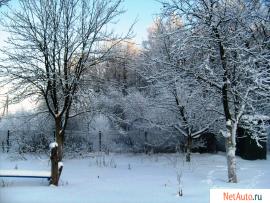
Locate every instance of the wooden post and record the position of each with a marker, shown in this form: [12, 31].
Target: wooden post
[8, 141]
[99, 140]
[3, 146]
[54, 164]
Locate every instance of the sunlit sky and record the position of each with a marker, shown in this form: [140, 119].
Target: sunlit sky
[143, 11]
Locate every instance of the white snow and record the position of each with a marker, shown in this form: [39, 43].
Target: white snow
[53, 145]
[60, 164]
[127, 178]
[224, 133]
[229, 123]
[255, 117]
[25, 173]
[231, 151]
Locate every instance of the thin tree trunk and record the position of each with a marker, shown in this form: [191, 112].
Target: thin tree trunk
[189, 144]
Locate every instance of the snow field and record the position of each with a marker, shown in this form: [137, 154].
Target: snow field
[128, 178]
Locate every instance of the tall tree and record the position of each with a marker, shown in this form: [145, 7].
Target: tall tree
[51, 46]
[176, 90]
[215, 45]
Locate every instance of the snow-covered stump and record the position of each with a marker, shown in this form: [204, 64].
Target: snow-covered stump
[54, 164]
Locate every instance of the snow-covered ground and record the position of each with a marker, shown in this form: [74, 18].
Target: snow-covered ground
[128, 178]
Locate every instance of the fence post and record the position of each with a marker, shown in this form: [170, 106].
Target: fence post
[3, 146]
[8, 141]
[99, 140]
[145, 142]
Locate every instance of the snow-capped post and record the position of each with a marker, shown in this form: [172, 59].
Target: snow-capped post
[54, 164]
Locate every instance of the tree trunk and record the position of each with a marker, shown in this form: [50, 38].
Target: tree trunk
[230, 135]
[54, 165]
[189, 144]
[59, 135]
[99, 141]
[230, 152]
[231, 162]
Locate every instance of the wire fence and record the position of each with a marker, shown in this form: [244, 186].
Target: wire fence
[24, 141]
[75, 141]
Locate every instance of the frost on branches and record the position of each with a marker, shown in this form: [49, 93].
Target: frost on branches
[224, 56]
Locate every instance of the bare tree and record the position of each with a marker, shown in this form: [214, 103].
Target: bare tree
[52, 44]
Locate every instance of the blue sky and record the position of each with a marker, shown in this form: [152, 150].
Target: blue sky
[142, 10]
